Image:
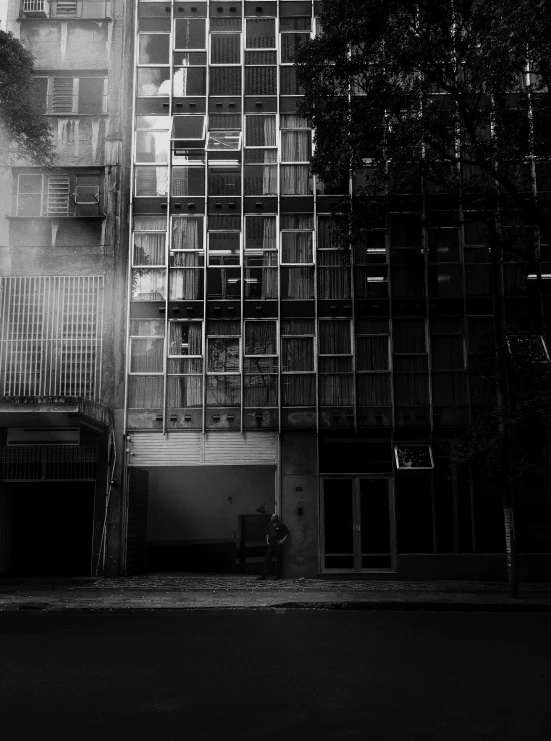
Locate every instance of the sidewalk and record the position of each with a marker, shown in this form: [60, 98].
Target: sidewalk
[181, 591]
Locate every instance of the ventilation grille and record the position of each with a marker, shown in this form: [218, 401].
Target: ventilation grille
[48, 462]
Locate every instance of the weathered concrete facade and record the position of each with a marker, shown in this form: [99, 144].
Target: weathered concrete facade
[63, 236]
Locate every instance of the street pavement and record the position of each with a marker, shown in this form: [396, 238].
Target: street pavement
[285, 674]
[181, 591]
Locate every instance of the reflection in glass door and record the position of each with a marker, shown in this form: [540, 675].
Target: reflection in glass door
[357, 520]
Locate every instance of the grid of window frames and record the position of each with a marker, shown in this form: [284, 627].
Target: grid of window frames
[242, 294]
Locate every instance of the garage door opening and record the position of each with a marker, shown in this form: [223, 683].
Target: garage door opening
[48, 527]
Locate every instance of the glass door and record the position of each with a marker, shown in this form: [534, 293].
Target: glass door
[357, 524]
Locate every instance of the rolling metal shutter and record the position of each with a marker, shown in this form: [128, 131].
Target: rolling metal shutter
[196, 449]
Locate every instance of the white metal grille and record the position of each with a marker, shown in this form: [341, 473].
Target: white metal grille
[50, 336]
[33, 6]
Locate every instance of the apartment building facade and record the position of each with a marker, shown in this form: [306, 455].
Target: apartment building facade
[62, 268]
[264, 370]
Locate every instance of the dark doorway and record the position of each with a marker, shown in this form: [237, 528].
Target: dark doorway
[52, 528]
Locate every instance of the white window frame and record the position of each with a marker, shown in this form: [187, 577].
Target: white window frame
[414, 468]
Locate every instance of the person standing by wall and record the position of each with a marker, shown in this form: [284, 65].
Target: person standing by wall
[276, 533]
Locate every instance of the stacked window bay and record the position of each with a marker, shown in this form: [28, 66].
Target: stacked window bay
[246, 313]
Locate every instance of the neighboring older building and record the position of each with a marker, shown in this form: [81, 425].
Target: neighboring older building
[62, 285]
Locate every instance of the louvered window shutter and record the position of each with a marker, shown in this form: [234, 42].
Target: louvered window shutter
[62, 98]
[58, 196]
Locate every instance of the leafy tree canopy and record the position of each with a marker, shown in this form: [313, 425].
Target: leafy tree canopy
[24, 129]
[453, 90]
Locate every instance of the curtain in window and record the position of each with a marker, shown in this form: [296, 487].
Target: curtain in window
[149, 248]
[447, 352]
[297, 353]
[299, 391]
[449, 389]
[186, 338]
[146, 355]
[260, 282]
[225, 48]
[334, 338]
[224, 181]
[408, 273]
[295, 180]
[481, 335]
[186, 284]
[150, 223]
[297, 327]
[148, 285]
[152, 146]
[411, 389]
[372, 353]
[260, 338]
[145, 392]
[372, 326]
[260, 233]
[336, 390]
[374, 389]
[409, 336]
[260, 391]
[297, 222]
[151, 181]
[187, 234]
[223, 391]
[333, 276]
[297, 283]
[185, 391]
[223, 355]
[261, 131]
[292, 121]
[296, 247]
[326, 231]
[187, 259]
[295, 146]
[261, 181]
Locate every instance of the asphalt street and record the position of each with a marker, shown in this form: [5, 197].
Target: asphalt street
[393, 676]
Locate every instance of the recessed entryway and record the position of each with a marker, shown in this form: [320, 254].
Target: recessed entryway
[357, 524]
[48, 526]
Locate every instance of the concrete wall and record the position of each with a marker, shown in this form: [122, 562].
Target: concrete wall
[204, 502]
[299, 486]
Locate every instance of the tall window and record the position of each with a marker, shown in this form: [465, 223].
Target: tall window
[260, 257]
[373, 362]
[223, 363]
[336, 379]
[297, 256]
[448, 361]
[187, 259]
[185, 364]
[148, 258]
[296, 149]
[261, 364]
[298, 362]
[333, 263]
[410, 362]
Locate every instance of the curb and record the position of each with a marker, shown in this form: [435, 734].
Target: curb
[296, 606]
